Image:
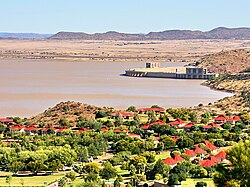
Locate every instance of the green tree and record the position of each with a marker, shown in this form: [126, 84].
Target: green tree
[16, 166]
[131, 109]
[184, 142]
[151, 116]
[167, 141]
[118, 120]
[71, 175]
[117, 183]
[91, 168]
[201, 184]
[239, 173]
[108, 171]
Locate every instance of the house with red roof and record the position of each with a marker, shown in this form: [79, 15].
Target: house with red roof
[31, 130]
[82, 130]
[117, 131]
[105, 128]
[190, 153]
[205, 128]
[170, 161]
[221, 119]
[207, 163]
[174, 138]
[48, 129]
[178, 158]
[145, 110]
[145, 126]
[188, 126]
[125, 115]
[221, 155]
[234, 119]
[132, 135]
[6, 121]
[17, 128]
[179, 123]
[61, 130]
[210, 145]
[158, 122]
[198, 150]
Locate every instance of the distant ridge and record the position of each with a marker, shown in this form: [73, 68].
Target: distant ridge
[217, 33]
[24, 35]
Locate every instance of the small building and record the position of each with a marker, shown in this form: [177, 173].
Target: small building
[179, 123]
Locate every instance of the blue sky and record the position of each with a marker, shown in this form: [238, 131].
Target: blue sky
[129, 16]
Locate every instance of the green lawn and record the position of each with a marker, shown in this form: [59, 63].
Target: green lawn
[76, 182]
[192, 182]
[162, 155]
[31, 181]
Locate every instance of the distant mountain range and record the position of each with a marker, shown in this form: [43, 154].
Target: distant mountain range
[217, 33]
[24, 35]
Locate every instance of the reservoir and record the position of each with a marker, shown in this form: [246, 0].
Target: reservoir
[28, 87]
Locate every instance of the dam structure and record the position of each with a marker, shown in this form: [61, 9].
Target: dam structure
[185, 72]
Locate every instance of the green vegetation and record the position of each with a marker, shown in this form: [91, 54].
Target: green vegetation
[138, 148]
[30, 181]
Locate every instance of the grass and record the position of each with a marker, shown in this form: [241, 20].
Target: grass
[162, 155]
[192, 182]
[76, 182]
[31, 181]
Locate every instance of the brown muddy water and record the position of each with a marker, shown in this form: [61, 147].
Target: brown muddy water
[29, 87]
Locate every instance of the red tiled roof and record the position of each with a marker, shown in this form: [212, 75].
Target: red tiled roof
[190, 153]
[178, 158]
[6, 120]
[198, 150]
[50, 127]
[210, 145]
[236, 118]
[221, 154]
[17, 127]
[160, 122]
[214, 159]
[156, 138]
[31, 128]
[117, 131]
[207, 163]
[221, 118]
[169, 161]
[62, 129]
[145, 127]
[174, 138]
[177, 122]
[124, 114]
[150, 109]
[210, 125]
[105, 128]
[189, 125]
[82, 130]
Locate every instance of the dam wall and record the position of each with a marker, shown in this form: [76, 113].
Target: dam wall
[134, 73]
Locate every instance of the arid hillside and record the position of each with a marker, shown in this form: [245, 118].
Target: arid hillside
[232, 61]
[70, 111]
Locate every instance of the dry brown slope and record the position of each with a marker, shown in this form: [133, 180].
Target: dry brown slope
[232, 61]
[71, 111]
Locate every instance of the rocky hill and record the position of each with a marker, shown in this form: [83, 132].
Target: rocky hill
[217, 33]
[70, 111]
[232, 61]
